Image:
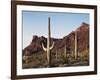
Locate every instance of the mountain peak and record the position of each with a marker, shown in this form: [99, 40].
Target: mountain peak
[84, 24]
[83, 27]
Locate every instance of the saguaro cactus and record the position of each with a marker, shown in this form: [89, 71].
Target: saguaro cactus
[65, 54]
[48, 44]
[75, 45]
[56, 54]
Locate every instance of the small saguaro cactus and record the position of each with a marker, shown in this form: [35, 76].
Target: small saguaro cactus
[75, 45]
[65, 54]
[65, 51]
[48, 44]
[56, 54]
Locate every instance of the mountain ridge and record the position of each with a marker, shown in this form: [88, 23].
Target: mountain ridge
[83, 41]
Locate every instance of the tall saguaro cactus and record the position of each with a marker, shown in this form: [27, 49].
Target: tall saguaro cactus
[75, 45]
[48, 44]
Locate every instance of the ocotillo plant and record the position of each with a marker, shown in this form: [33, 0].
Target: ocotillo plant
[48, 44]
[75, 45]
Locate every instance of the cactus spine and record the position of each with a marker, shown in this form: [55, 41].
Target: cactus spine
[48, 44]
[75, 45]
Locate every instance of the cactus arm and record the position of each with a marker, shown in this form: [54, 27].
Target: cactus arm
[52, 46]
[44, 47]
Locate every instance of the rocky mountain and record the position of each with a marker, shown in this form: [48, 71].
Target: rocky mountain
[35, 46]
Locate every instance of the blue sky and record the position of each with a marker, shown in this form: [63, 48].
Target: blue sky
[36, 23]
